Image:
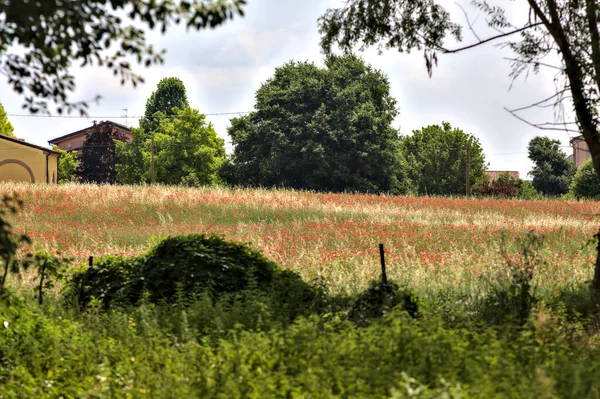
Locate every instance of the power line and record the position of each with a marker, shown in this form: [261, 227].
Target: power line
[123, 116]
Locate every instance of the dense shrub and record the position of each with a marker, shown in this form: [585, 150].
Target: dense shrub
[379, 299]
[505, 186]
[186, 265]
[586, 183]
[109, 279]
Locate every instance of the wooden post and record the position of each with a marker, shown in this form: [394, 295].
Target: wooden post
[468, 169]
[153, 160]
[382, 257]
[91, 261]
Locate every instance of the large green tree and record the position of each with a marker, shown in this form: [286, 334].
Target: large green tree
[169, 97]
[186, 150]
[553, 171]
[326, 129]
[6, 128]
[567, 28]
[436, 158]
[49, 36]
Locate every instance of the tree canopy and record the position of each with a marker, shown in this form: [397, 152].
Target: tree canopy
[97, 157]
[586, 182]
[6, 128]
[187, 151]
[54, 35]
[553, 171]
[567, 28]
[436, 159]
[169, 96]
[325, 129]
[67, 163]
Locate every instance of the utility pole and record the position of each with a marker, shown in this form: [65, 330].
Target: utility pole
[153, 159]
[125, 109]
[468, 168]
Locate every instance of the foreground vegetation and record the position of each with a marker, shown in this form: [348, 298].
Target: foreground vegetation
[480, 305]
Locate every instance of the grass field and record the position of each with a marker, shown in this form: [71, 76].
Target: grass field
[477, 330]
[430, 242]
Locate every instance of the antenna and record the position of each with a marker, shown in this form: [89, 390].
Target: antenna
[125, 109]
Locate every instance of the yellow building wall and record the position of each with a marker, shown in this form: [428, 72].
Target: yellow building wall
[21, 163]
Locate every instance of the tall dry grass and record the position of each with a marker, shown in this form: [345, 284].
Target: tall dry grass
[431, 243]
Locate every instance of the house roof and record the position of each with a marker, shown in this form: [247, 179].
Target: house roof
[496, 173]
[578, 138]
[84, 131]
[26, 144]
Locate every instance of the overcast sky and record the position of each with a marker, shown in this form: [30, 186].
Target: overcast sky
[223, 68]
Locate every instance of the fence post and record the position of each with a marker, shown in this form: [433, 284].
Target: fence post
[382, 257]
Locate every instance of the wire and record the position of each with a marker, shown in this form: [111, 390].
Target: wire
[123, 116]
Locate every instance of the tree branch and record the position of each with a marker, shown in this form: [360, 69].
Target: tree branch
[535, 62]
[468, 21]
[541, 126]
[457, 50]
[539, 103]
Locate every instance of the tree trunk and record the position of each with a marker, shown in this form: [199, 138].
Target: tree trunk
[582, 105]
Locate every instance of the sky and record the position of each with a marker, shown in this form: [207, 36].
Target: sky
[223, 68]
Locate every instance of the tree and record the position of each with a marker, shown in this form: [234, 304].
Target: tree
[569, 29]
[53, 35]
[6, 128]
[170, 95]
[504, 186]
[553, 171]
[436, 159]
[67, 163]
[325, 129]
[98, 157]
[187, 151]
[586, 182]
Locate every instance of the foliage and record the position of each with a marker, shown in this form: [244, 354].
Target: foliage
[162, 351]
[514, 299]
[50, 269]
[436, 159]
[187, 151]
[505, 186]
[55, 35]
[528, 192]
[169, 96]
[6, 128]
[553, 171]
[98, 157]
[403, 25]
[586, 182]
[247, 340]
[67, 163]
[9, 240]
[185, 265]
[324, 129]
[378, 300]
[570, 29]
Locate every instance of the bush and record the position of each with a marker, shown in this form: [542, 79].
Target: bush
[110, 279]
[586, 183]
[186, 265]
[505, 186]
[379, 299]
